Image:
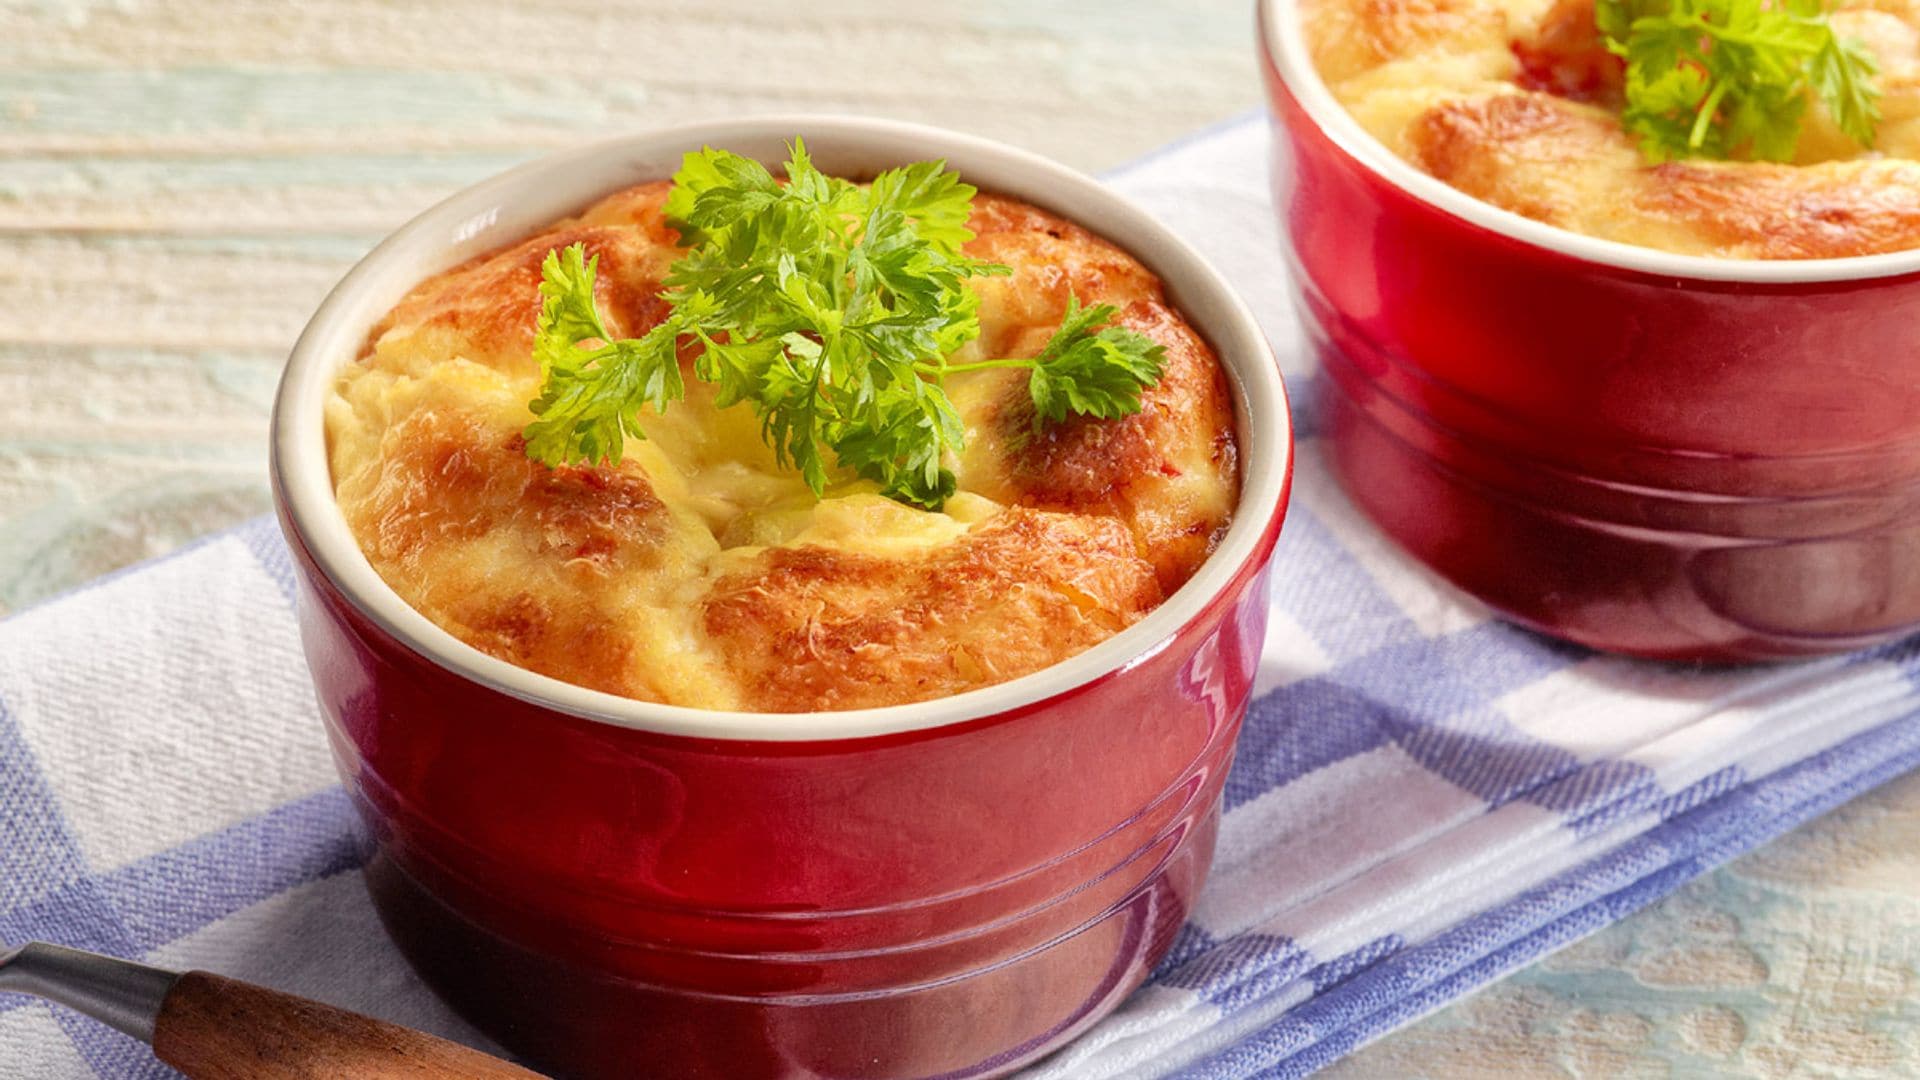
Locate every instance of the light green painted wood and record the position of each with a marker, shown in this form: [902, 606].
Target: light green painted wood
[181, 181]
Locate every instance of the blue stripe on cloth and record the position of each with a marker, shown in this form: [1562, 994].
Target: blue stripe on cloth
[213, 876]
[1303, 401]
[1245, 969]
[1904, 653]
[46, 895]
[1341, 968]
[1240, 988]
[133, 910]
[1563, 931]
[1447, 723]
[138, 908]
[1645, 796]
[1598, 794]
[38, 850]
[1300, 729]
[1485, 755]
[1697, 793]
[1333, 598]
[79, 914]
[1595, 916]
[1395, 684]
[1424, 674]
[1583, 899]
[1191, 941]
[111, 1055]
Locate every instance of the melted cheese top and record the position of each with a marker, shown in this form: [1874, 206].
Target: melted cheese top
[1516, 102]
[698, 572]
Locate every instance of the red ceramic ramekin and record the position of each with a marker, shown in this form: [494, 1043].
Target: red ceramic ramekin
[1669, 456]
[617, 889]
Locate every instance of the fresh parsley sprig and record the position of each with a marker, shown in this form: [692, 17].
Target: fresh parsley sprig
[1731, 78]
[831, 310]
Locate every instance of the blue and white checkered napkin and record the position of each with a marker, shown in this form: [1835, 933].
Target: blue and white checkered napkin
[1424, 798]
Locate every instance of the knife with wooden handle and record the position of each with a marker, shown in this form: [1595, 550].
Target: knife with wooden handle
[214, 1028]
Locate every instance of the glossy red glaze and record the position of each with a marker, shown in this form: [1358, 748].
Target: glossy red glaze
[1670, 467]
[612, 902]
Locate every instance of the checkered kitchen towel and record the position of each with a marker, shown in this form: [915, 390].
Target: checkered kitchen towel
[1424, 798]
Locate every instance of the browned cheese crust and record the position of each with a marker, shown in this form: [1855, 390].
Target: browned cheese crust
[1516, 102]
[814, 626]
[1167, 471]
[699, 573]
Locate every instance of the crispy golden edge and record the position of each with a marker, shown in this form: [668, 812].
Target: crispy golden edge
[1532, 126]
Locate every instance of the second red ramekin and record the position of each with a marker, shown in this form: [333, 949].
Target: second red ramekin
[1662, 455]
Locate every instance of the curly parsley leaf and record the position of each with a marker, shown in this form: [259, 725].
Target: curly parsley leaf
[914, 423]
[1092, 373]
[826, 307]
[593, 386]
[1731, 78]
[1843, 73]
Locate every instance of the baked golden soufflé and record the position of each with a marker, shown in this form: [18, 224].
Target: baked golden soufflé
[698, 571]
[1517, 103]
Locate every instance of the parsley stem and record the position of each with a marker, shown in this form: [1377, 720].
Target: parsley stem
[975, 365]
[1703, 119]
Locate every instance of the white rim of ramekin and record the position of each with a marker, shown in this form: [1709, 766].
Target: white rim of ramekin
[1286, 46]
[522, 200]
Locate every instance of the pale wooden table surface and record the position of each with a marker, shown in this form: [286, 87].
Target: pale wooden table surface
[181, 180]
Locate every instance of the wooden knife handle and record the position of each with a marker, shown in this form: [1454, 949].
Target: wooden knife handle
[213, 1028]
